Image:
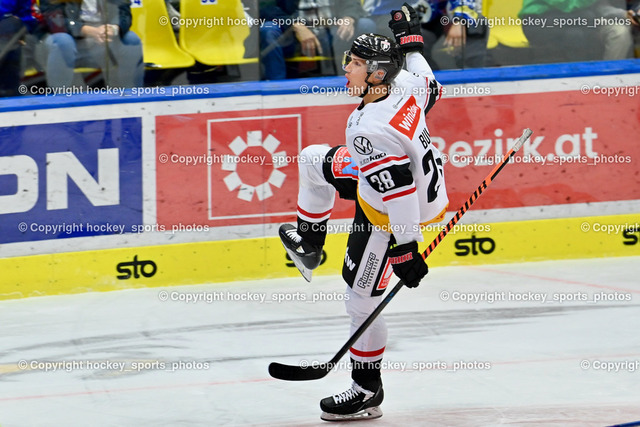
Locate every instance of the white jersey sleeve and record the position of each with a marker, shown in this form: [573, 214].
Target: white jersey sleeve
[418, 65]
[401, 181]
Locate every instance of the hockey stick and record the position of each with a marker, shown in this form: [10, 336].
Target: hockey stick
[314, 372]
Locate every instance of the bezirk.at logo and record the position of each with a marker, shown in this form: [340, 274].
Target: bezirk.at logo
[136, 268]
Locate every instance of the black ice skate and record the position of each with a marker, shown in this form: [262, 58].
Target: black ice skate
[353, 404]
[304, 255]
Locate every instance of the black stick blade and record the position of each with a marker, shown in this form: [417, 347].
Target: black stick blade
[298, 373]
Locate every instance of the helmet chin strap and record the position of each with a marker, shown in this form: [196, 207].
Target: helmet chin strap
[369, 85]
[366, 91]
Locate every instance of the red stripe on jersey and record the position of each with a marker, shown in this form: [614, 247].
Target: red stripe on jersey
[426, 103]
[383, 161]
[400, 194]
[373, 353]
[313, 215]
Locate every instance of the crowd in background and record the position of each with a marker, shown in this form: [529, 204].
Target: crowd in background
[46, 42]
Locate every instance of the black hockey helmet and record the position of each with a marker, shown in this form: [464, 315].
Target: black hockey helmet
[380, 53]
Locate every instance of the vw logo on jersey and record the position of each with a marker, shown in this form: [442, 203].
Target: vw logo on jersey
[362, 145]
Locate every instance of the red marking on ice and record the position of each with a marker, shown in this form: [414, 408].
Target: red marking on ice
[552, 279]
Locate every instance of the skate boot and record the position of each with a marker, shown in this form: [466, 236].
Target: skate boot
[304, 255]
[353, 404]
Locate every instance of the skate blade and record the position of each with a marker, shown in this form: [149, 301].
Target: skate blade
[366, 414]
[306, 273]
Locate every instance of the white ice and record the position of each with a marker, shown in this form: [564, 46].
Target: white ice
[522, 363]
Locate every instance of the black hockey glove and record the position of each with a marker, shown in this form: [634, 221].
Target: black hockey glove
[405, 26]
[408, 264]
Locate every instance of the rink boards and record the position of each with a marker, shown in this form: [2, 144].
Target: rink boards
[184, 188]
[223, 261]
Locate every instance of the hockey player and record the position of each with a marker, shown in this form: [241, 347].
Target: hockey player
[394, 173]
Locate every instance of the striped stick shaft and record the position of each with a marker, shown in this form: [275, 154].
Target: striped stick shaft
[467, 205]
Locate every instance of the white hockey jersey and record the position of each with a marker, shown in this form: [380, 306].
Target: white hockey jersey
[401, 180]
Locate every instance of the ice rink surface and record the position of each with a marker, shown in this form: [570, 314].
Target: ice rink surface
[536, 344]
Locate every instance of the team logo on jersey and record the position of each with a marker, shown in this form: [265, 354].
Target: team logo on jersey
[406, 119]
[363, 145]
[343, 165]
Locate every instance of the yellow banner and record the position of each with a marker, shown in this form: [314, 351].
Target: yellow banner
[251, 259]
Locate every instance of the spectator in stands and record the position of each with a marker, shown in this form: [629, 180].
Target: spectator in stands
[174, 15]
[345, 20]
[465, 33]
[15, 20]
[314, 27]
[616, 30]
[92, 33]
[568, 33]
[633, 13]
[283, 27]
